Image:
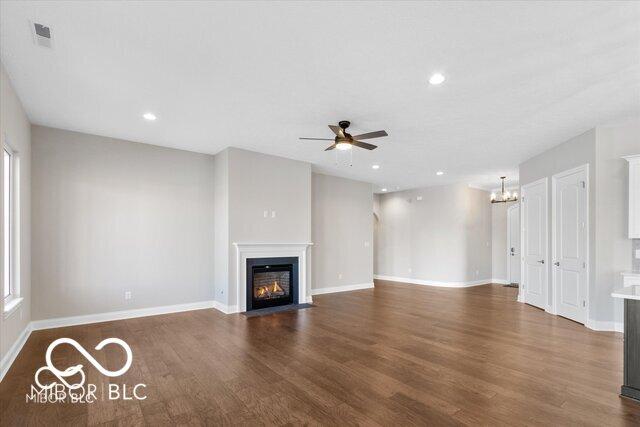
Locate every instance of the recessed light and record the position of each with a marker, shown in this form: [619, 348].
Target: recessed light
[439, 173]
[436, 79]
[384, 190]
[149, 116]
[375, 166]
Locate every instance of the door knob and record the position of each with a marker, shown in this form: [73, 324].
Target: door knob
[541, 261]
[557, 263]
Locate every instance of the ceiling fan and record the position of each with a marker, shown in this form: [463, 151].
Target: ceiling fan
[345, 141]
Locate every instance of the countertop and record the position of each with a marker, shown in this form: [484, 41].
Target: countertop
[628, 292]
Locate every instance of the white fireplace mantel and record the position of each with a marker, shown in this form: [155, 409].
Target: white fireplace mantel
[248, 250]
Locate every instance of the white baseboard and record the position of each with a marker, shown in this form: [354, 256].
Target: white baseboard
[433, 282]
[13, 352]
[600, 325]
[500, 281]
[118, 315]
[344, 288]
[226, 309]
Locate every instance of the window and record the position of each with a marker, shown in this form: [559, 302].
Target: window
[8, 285]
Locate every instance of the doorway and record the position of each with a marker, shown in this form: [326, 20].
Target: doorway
[513, 245]
[570, 243]
[533, 288]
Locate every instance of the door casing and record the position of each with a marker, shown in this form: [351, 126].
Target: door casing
[545, 250]
[554, 179]
[509, 209]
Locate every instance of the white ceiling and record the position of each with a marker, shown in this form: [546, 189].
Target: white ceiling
[521, 77]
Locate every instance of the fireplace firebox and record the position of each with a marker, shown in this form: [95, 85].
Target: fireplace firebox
[271, 282]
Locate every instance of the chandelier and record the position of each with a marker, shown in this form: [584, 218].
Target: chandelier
[504, 196]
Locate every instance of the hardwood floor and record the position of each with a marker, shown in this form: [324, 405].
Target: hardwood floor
[394, 355]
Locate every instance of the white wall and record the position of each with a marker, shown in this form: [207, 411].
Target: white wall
[111, 216]
[445, 237]
[613, 248]
[342, 212]
[16, 130]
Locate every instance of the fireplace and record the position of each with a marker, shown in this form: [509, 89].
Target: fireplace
[271, 282]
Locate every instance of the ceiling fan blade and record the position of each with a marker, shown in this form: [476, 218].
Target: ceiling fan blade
[364, 145]
[318, 139]
[331, 147]
[377, 134]
[337, 130]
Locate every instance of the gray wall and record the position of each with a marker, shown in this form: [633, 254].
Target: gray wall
[570, 154]
[221, 209]
[16, 130]
[342, 232]
[610, 249]
[260, 182]
[111, 216]
[445, 237]
[612, 246]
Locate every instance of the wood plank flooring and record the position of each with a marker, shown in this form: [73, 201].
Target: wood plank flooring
[394, 355]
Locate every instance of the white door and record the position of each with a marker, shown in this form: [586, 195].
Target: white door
[513, 248]
[534, 243]
[570, 243]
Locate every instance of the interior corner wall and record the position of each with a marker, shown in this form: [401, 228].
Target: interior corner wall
[342, 217]
[443, 238]
[259, 183]
[111, 216]
[15, 130]
[613, 248]
[221, 226]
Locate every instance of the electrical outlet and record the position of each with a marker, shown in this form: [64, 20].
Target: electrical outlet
[127, 295]
[265, 214]
[340, 276]
[409, 270]
[273, 214]
[366, 244]
[419, 198]
[477, 273]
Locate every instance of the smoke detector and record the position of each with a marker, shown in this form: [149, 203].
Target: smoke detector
[42, 35]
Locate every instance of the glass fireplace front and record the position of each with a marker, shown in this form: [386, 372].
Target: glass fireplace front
[271, 282]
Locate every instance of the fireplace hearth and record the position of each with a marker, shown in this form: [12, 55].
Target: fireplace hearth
[271, 282]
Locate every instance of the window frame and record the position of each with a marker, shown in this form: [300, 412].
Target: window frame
[10, 257]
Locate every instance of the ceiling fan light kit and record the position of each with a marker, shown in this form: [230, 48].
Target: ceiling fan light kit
[504, 196]
[344, 141]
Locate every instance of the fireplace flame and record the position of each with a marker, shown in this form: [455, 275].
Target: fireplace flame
[276, 287]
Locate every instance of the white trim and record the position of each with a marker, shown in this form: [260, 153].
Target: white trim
[245, 251]
[521, 294]
[344, 288]
[13, 352]
[604, 325]
[433, 282]
[11, 307]
[500, 282]
[226, 309]
[118, 315]
[554, 180]
[513, 206]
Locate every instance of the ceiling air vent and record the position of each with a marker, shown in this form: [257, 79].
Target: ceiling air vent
[42, 35]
